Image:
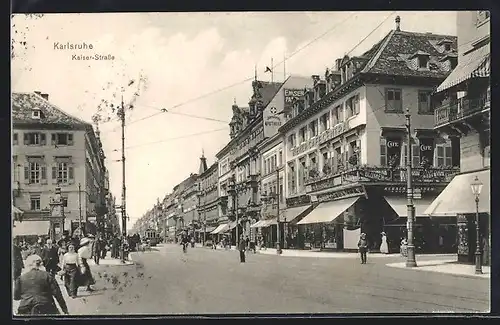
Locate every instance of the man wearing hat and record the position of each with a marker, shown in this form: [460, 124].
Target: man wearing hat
[363, 247]
[37, 289]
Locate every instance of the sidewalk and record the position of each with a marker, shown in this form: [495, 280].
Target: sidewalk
[317, 254]
[78, 305]
[450, 266]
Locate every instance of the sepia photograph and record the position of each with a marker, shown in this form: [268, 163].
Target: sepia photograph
[250, 163]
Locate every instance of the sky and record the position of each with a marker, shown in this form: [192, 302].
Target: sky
[188, 63]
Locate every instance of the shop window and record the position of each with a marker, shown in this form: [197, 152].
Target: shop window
[393, 100]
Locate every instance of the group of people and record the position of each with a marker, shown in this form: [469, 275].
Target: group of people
[42, 262]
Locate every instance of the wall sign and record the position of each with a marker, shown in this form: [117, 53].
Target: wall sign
[291, 95]
[325, 136]
[345, 193]
[427, 150]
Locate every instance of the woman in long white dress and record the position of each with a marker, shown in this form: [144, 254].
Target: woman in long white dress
[384, 248]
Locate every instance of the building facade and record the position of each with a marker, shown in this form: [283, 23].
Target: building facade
[208, 199]
[346, 144]
[463, 113]
[53, 149]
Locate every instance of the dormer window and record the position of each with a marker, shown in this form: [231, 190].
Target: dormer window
[36, 113]
[447, 47]
[423, 62]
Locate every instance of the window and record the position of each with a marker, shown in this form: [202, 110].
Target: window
[393, 101]
[35, 114]
[34, 139]
[338, 115]
[62, 172]
[352, 106]
[482, 17]
[35, 203]
[291, 177]
[423, 62]
[383, 152]
[65, 202]
[291, 140]
[282, 195]
[443, 155]
[62, 139]
[313, 127]
[302, 134]
[35, 172]
[15, 139]
[447, 47]
[280, 161]
[424, 102]
[325, 122]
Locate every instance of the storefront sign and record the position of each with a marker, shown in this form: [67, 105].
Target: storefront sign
[346, 193]
[402, 189]
[393, 151]
[325, 136]
[427, 150]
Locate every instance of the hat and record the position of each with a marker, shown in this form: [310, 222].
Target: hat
[90, 236]
[33, 261]
[383, 233]
[84, 241]
[362, 234]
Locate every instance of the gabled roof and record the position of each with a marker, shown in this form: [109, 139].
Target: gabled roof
[396, 49]
[23, 104]
[268, 90]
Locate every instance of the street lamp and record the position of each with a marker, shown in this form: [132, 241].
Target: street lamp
[476, 187]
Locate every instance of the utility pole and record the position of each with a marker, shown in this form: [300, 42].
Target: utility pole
[123, 206]
[410, 259]
[80, 208]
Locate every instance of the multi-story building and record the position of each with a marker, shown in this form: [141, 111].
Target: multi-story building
[463, 113]
[345, 143]
[112, 220]
[54, 149]
[249, 127]
[208, 199]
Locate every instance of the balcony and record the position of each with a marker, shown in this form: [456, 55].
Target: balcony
[460, 109]
[375, 174]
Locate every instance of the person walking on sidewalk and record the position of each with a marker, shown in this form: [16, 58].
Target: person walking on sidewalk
[50, 257]
[85, 253]
[362, 247]
[37, 289]
[70, 268]
[242, 248]
[18, 264]
[96, 250]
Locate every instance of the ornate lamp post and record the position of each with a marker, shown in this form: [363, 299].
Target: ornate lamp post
[476, 187]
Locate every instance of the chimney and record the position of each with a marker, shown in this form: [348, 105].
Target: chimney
[398, 22]
[337, 64]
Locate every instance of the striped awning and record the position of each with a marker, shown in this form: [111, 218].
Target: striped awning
[220, 228]
[269, 222]
[473, 65]
[258, 224]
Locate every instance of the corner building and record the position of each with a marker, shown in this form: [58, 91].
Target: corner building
[463, 113]
[346, 148]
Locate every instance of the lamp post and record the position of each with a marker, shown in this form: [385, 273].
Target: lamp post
[476, 187]
[410, 259]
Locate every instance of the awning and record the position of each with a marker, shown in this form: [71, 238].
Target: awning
[208, 229]
[473, 65]
[220, 229]
[328, 211]
[31, 228]
[230, 226]
[291, 214]
[257, 224]
[269, 222]
[399, 205]
[457, 197]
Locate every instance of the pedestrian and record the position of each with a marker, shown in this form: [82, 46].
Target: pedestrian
[104, 248]
[96, 250]
[70, 268]
[50, 257]
[116, 246]
[37, 248]
[36, 289]
[18, 264]
[384, 247]
[247, 242]
[404, 247]
[362, 247]
[242, 247]
[85, 253]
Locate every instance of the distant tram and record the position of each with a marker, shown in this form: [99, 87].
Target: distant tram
[152, 235]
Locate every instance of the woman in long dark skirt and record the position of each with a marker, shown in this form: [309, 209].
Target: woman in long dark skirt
[84, 253]
[70, 268]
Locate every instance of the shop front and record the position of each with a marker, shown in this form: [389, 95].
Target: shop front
[458, 199]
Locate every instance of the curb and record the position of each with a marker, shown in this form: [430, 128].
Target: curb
[458, 275]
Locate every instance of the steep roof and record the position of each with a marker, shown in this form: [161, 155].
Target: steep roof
[24, 103]
[268, 90]
[394, 53]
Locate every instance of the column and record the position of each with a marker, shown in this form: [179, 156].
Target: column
[463, 247]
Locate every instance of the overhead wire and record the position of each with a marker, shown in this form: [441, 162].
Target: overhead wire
[240, 82]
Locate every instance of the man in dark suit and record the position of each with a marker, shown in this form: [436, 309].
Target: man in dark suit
[242, 247]
[18, 264]
[50, 257]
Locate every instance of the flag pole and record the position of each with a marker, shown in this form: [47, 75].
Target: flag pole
[284, 66]
[272, 71]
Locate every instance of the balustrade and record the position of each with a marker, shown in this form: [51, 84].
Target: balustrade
[459, 109]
